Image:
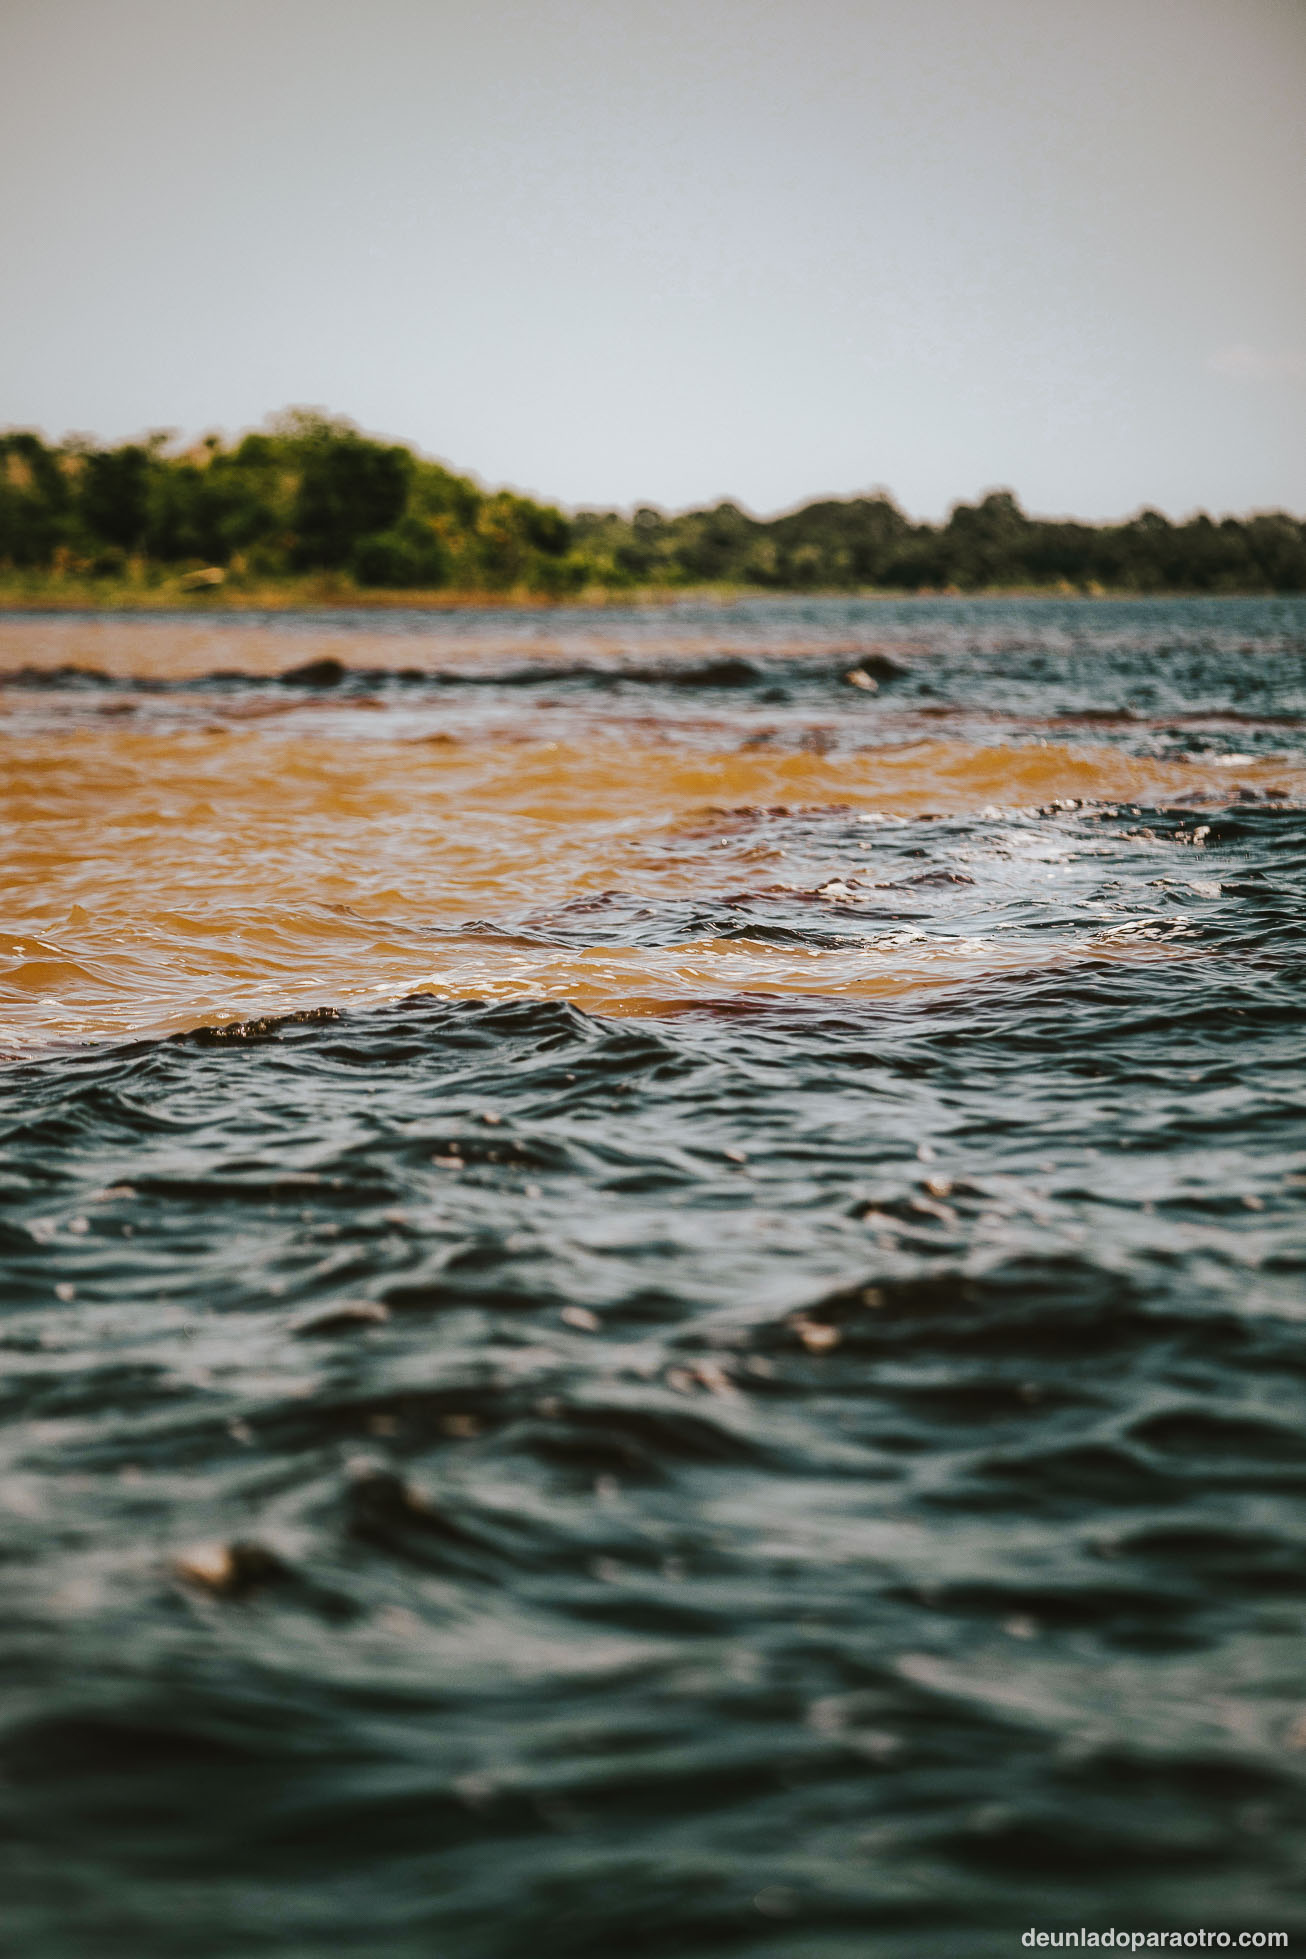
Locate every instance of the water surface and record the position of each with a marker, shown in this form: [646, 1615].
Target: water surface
[653, 1279]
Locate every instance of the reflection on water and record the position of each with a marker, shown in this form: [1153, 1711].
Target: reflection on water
[654, 1278]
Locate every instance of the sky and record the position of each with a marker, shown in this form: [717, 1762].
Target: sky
[668, 251]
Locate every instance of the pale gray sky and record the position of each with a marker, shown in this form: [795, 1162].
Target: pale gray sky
[610, 250]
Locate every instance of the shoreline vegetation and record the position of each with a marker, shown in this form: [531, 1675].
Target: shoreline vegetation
[309, 513]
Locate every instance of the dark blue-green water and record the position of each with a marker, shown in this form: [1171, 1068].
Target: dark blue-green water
[829, 1475]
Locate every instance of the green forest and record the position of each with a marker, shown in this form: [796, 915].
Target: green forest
[311, 508]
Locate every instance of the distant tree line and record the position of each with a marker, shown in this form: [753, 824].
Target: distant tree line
[844, 544]
[311, 494]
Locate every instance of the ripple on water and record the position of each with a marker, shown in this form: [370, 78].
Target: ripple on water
[624, 1336]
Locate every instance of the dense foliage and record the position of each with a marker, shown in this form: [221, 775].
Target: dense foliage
[312, 495]
[307, 494]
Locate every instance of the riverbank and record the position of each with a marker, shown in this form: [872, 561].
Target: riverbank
[331, 591]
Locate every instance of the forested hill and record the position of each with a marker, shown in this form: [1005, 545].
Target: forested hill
[310, 500]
